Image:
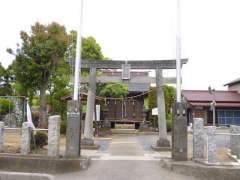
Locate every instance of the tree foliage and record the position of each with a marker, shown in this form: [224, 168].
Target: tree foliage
[42, 64]
[41, 53]
[117, 90]
[6, 106]
[91, 50]
[5, 78]
[169, 95]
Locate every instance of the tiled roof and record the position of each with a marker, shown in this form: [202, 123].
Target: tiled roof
[206, 96]
[218, 104]
[233, 82]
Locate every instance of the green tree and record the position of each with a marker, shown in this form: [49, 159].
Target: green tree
[42, 50]
[23, 76]
[58, 87]
[169, 95]
[91, 50]
[6, 106]
[42, 64]
[117, 90]
[5, 79]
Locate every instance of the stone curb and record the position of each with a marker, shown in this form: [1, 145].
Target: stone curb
[42, 164]
[24, 176]
[201, 171]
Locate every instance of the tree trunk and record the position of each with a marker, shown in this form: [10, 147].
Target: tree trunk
[43, 115]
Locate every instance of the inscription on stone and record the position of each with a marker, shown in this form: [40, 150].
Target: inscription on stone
[234, 139]
[53, 135]
[198, 138]
[26, 138]
[73, 134]
[211, 144]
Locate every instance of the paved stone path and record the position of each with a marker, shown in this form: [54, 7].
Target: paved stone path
[125, 157]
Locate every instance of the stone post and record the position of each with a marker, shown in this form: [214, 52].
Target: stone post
[162, 141]
[198, 138]
[234, 139]
[1, 136]
[179, 132]
[53, 135]
[88, 127]
[211, 145]
[73, 135]
[26, 138]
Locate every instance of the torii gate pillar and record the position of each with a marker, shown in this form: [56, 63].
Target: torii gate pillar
[88, 127]
[162, 142]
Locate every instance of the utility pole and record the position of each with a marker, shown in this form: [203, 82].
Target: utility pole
[73, 134]
[77, 73]
[179, 132]
[178, 52]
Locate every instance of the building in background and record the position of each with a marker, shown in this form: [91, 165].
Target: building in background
[227, 104]
[234, 85]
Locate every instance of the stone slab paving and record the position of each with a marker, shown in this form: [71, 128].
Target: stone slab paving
[124, 169]
[125, 145]
[125, 157]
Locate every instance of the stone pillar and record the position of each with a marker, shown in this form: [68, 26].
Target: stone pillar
[179, 132]
[211, 145]
[73, 135]
[26, 138]
[198, 138]
[88, 127]
[53, 135]
[234, 139]
[1, 136]
[162, 124]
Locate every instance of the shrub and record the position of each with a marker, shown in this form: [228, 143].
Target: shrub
[154, 121]
[39, 140]
[169, 125]
[6, 106]
[63, 127]
[169, 122]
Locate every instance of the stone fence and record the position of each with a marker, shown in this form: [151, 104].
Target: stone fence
[26, 135]
[205, 141]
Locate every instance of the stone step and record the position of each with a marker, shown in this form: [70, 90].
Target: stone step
[124, 131]
[109, 157]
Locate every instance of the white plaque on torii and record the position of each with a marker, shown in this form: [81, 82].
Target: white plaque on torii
[126, 74]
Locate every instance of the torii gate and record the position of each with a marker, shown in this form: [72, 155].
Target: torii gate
[157, 65]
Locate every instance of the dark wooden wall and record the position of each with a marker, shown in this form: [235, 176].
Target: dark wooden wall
[125, 110]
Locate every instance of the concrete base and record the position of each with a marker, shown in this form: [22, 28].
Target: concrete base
[41, 164]
[93, 147]
[163, 143]
[160, 149]
[202, 171]
[89, 144]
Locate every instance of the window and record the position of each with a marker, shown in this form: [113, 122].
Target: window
[228, 117]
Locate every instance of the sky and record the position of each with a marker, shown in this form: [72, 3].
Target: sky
[142, 30]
